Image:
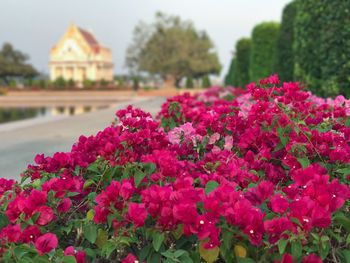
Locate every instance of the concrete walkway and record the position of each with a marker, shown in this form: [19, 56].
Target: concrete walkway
[21, 141]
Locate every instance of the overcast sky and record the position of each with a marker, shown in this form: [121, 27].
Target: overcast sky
[34, 26]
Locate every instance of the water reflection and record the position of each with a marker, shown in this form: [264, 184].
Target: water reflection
[14, 114]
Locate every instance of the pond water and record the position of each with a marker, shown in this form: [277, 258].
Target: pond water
[15, 114]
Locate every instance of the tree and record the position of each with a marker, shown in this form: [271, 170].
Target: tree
[241, 73]
[172, 49]
[13, 63]
[189, 82]
[285, 56]
[206, 83]
[322, 46]
[60, 83]
[263, 50]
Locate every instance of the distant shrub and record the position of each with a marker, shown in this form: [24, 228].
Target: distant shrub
[285, 56]
[59, 83]
[87, 83]
[13, 83]
[206, 83]
[230, 74]
[189, 82]
[71, 83]
[263, 50]
[104, 83]
[241, 73]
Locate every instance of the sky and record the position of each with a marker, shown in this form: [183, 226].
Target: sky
[34, 26]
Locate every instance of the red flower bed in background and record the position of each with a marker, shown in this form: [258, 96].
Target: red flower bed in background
[228, 175]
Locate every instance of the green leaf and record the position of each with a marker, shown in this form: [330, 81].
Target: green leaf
[20, 251]
[90, 215]
[344, 171]
[282, 244]
[158, 239]
[93, 167]
[90, 233]
[108, 249]
[87, 183]
[245, 260]
[69, 259]
[3, 220]
[102, 238]
[343, 220]
[281, 134]
[144, 252]
[41, 259]
[304, 161]
[180, 252]
[185, 258]
[347, 122]
[325, 247]
[154, 257]
[344, 255]
[150, 168]
[324, 239]
[139, 175]
[296, 249]
[296, 221]
[211, 186]
[209, 255]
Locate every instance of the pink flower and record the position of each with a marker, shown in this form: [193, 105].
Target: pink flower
[312, 258]
[228, 143]
[127, 190]
[137, 213]
[287, 258]
[279, 204]
[10, 233]
[80, 256]
[130, 258]
[277, 227]
[46, 243]
[320, 217]
[64, 205]
[30, 234]
[101, 214]
[185, 212]
[214, 138]
[46, 215]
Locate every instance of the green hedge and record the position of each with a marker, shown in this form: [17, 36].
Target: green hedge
[189, 82]
[230, 74]
[322, 46]
[335, 47]
[263, 50]
[206, 83]
[241, 73]
[285, 56]
[307, 44]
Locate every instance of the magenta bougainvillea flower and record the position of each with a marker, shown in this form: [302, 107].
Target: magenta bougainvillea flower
[46, 243]
[260, 173]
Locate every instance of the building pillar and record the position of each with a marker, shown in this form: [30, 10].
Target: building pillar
[52, 72]
[75, 76]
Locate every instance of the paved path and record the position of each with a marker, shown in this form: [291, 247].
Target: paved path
[20, 142]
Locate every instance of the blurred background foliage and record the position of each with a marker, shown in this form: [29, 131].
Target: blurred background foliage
[312, 45]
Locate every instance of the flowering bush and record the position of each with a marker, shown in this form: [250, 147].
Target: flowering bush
[228, 175]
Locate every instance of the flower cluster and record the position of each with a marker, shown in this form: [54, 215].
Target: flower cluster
[260, 175]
